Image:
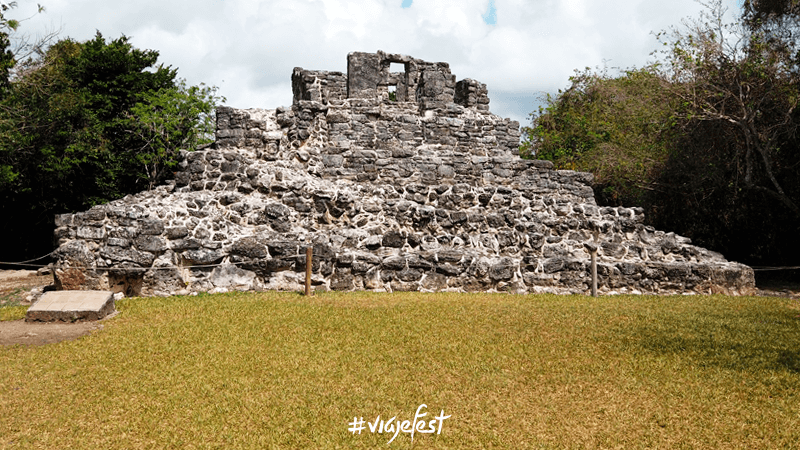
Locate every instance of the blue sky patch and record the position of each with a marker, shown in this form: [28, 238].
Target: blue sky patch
[407, 3]
[491, 14]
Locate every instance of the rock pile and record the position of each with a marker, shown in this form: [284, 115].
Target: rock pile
[425, 192]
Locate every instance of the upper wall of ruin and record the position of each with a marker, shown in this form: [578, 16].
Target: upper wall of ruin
[431, 85]
[430, 113]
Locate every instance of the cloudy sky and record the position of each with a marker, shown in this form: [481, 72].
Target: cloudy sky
[520, 48]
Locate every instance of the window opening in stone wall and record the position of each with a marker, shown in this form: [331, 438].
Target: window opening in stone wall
[397, 82]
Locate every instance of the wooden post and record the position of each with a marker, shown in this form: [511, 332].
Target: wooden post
[594, 273]
[309, 256]
[591, 247]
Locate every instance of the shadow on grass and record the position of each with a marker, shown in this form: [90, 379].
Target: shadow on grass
[748, 340]
[790, 359]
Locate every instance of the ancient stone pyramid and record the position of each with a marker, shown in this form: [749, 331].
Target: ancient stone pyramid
[399, 181]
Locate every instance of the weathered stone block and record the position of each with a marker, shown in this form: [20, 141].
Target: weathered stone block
[202, 256]
[394, 263]
[434, 282]
[250, 248]
[118, 254]
[342, 281]
[177, 232]
[394, 239]
[151, 226]
[94, 233]
[150, 243]
[71, 306]
[229, 276]
[503, 270]
[282, 248]
[452, 256]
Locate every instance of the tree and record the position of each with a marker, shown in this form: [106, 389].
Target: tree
[619, 128]
[166, 121]
[723, 73]
[722, 143]
[778, 18]
[7, 60]
[22, 48]
[87, 123]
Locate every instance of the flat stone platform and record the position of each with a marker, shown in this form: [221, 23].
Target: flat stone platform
[71, 306]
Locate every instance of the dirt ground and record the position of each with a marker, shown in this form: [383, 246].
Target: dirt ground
[16, 286]
[40, 333]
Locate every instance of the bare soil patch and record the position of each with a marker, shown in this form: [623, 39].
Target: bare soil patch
[19, 332]
[778, 288]
[15, 285]
[15, 288]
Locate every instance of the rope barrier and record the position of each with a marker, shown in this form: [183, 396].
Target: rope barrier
[22, 263]
[25, 263]
[307, 259]
[760, 269]
[763, 269]
[294, 257]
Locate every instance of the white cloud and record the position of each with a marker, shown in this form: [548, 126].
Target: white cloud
[253, 45]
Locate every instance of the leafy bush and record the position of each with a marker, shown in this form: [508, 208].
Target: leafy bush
[705, 139]
[88, 123]
[618, 128]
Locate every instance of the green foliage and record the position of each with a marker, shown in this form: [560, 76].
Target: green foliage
[7, 60]
[8, 24]
[618, 128]
[166, 121]
[706, 139]
[91, 122]
[774, 15]
[739, 149]
[114, 76]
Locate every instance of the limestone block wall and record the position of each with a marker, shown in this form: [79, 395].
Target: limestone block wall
[472, 94]
[389, 194]
[247, 228]
[390, 129]
[318, 85]
[430, 85]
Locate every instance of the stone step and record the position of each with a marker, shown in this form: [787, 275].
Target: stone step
[71, 306]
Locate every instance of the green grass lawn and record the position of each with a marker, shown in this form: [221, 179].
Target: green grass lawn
[278, 370]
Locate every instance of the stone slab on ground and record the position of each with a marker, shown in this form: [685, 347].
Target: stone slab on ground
[71, 306]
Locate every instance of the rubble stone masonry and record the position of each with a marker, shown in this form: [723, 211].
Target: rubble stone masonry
[422, 193]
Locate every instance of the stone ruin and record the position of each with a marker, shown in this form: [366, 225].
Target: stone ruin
[399, 181]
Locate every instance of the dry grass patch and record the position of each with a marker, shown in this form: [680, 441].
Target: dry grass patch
[278, 370]
[13, 312]
[11, 308]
